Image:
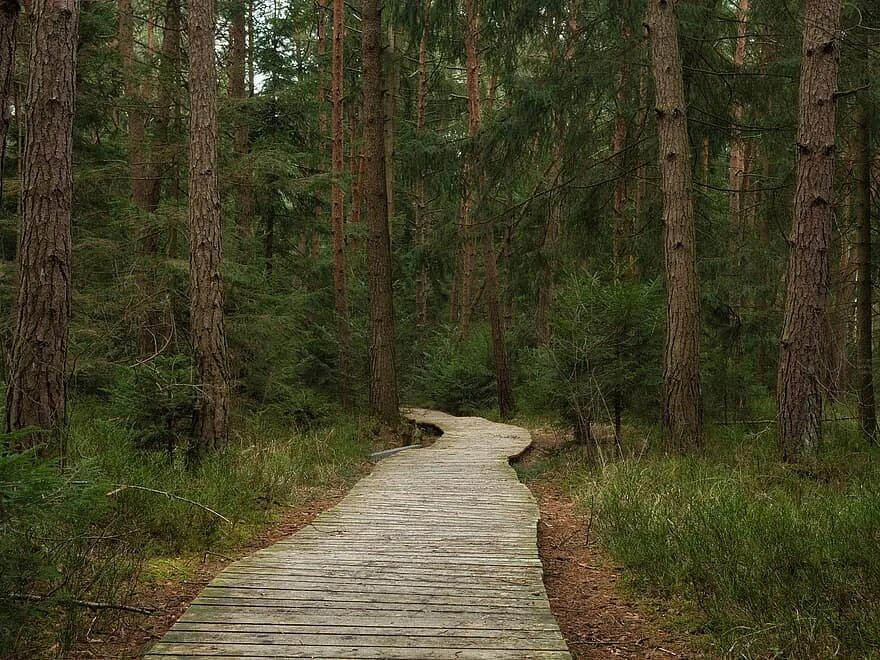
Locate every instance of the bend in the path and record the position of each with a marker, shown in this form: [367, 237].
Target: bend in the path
[434, 555]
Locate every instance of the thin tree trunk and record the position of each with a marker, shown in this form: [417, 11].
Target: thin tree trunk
[496, 324]
[737, 145]
[142, 174]
[391, 90]
[421, 216]
[681, 374]
[37, 389]
[383, 375]
[799, 393]
[9, 10]
[620, 231]
[244, 202]
[865, 313]
[337, 220]
[206, 248]
[466, 259]
[170, 121]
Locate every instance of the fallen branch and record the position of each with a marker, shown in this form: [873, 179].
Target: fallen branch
[124, 487]
[92, 605]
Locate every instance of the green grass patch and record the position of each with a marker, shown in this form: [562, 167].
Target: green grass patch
[117, 512]
[778, 561]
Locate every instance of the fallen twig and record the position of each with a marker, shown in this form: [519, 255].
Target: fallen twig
[92, 605]
[124, 487]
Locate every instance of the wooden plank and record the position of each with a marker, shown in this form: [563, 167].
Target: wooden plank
[433, 556]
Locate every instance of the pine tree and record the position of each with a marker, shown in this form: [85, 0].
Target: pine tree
[37, 388]
[337, 220]
[383, 373]
[683, 405]
[799, 391]
[207, 322]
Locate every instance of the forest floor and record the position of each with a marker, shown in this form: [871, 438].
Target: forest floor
[173, 583]
[597, 618]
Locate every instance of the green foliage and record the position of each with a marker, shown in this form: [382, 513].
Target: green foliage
[455, 372]
[778, 562]
[603, 351]
[80, 532]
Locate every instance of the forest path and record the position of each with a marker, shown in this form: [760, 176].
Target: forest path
[432, 556]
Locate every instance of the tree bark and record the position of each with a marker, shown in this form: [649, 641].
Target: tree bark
[37, 391]
[144, 177]
[206, 250]
[421, 216]
[9, 10]
[244, 202]
[865, 307]
[390, 92]
[466, 257]
[738, 159]
[799, 392]
[337, 197]
[383, 375]
[681, 374]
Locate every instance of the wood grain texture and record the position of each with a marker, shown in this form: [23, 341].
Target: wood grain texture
[434, 555]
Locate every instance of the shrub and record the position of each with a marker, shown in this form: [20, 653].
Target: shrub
[456, 372]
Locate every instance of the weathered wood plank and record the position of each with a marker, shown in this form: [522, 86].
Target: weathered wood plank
[433, 556]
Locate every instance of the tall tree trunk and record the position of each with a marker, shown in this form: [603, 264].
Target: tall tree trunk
[143, 173]
[391, 90]
[620, 232]
[170, 121]
[799, 392]
[337, 220]
[865, 366]
[383, 375]
[681, 373]
[737, 144]
[244, 201]
[466, 259]
[421, 215]
[9, 10]
[37, 392]
[206, 247]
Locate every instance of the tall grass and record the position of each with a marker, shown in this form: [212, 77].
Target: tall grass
[82, 531]
[779, 562]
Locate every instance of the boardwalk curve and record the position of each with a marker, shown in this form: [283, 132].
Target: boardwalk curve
[432, 556]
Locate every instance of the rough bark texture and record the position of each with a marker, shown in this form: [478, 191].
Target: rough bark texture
[865, 314]
[144, 177]
[337, 198]
[681, 373]
[421, 198]
[9, 10]
[244, 201]
[206, 252]
[799, 392]
[37, 394]
[383, 375]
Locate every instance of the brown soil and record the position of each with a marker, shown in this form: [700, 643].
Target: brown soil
[596, 618]
[131, 634]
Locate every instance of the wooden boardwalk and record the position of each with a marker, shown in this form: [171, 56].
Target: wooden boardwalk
[434, 555]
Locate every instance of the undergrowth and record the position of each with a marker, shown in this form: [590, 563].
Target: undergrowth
[777, 561]
[83, 531]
